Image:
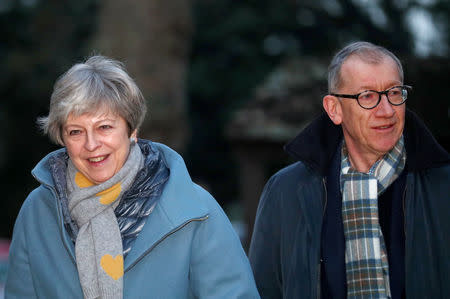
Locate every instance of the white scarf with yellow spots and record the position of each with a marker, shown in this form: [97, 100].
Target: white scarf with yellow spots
[98, 247]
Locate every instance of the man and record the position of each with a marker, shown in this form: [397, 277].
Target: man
[364, 213]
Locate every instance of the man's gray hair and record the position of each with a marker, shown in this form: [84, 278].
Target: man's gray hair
[367, 52]
[98, 83]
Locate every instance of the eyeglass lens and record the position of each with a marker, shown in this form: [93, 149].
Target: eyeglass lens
[396, 96]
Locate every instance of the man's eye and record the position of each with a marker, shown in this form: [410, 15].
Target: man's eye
[105, 127]
[367, 96]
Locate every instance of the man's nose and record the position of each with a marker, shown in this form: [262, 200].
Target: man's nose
[384, 108]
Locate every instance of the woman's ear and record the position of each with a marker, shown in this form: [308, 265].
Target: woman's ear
[332, 106]
[61, 140]
[133, 136]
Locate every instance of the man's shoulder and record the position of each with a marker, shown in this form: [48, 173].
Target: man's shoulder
[296, 169]
[436, 175]
[442, 169]
[292, 176]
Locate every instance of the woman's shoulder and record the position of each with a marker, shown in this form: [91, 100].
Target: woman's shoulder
[180, 192]
[204, 197]
[40, 196]
[217, 219]
[39, 206]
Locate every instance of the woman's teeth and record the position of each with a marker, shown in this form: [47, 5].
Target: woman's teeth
[98, 159]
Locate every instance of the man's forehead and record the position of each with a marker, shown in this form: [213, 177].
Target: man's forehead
[380, 59]
[354, 65]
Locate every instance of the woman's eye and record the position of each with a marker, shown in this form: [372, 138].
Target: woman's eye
[105, 127]
[74, 132]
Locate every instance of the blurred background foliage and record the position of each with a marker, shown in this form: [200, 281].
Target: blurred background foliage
[39, 40]
[234, 46]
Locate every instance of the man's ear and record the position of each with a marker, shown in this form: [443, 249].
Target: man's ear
[333, 108]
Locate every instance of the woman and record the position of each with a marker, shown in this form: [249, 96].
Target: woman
[117, 217]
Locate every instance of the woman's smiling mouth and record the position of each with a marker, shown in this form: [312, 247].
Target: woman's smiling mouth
[97, 159]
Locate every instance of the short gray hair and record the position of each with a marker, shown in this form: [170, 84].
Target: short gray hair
[85, 87]
[367, 52]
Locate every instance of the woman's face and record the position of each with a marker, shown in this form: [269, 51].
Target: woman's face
[97, 143]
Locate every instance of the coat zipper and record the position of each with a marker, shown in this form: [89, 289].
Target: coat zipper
[165, 237]
[404, 226]
[404, 208]
[324, 183]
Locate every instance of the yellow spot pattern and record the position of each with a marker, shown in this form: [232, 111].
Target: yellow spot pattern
[106, 196]
[109, 195]
[82, 181]
[112, 266]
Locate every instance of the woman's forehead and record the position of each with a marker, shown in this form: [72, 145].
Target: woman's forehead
[93, 114]
[100, 110]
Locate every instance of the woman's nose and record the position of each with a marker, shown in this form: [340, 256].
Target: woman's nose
[92, 142]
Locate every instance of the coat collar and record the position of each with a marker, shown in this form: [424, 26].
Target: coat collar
[422, 149]
[42, 171]
[317, 143]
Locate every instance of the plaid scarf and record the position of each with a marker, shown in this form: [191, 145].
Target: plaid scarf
[366, 260]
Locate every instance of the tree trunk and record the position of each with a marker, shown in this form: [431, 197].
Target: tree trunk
[153, 39]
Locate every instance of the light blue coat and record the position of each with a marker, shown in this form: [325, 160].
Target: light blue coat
[187, 248]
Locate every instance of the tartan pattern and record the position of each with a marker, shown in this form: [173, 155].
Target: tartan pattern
[366, 260]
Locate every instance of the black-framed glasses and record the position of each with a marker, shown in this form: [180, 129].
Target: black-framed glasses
[369, 99]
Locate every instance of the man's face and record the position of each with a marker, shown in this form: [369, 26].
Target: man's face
[369, 134]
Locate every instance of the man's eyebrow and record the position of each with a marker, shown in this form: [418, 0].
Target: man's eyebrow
[392, 84]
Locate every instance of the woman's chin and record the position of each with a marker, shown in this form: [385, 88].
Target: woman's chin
[99, 178]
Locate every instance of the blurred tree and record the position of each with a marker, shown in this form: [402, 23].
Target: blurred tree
[235, 45]
[238, 42]
[38, 41]
[231, 54]
[153, 39]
